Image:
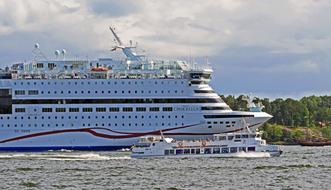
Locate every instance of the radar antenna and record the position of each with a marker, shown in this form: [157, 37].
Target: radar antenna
[251, 105]
[117, 39]
[127, 50]
[37, 53]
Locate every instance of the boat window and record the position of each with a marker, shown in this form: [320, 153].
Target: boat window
[222, 138]
[186, 151]
[154, 109]
[166, 152]
[167, 109]
[172, 152]
[140, 109]
[230, 137]
[192, 151]
[197, 151]
[244, 136]
[242, 149]
[87, 109]
[179, 151]
[47, 109]
[114, 109]
[238, 136]
[233, 149]
[216, 150]
[251, 149]
[252, 136]
[225, 150]
[19, 92]
[127, 109]
[207, 150]
[19, 110]
[60, 109]
[100, 109]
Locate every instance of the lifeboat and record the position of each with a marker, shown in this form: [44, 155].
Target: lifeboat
[99, 69]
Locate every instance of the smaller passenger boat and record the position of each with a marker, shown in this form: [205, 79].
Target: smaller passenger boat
[237, 145]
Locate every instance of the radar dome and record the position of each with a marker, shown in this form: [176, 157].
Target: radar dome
[36, 45]
[57, 52]
[63, 51]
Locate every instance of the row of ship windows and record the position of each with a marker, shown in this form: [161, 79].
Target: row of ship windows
[115, 109]
[96, 117]
[221, 122]
[92, 125]
[98, 82]
[100, 109]
[36, 92]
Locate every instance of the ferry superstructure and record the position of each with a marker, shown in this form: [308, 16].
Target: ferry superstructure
[108, 104]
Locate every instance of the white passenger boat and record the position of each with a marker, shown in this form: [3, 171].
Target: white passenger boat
[221, 145]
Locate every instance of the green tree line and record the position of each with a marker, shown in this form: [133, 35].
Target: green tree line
[293, 120]
[307, 112]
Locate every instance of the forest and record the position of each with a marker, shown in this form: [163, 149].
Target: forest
[293, 120]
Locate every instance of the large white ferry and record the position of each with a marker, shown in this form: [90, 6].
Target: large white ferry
[107, 104]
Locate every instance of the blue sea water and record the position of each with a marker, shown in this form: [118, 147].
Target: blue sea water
[298, 168]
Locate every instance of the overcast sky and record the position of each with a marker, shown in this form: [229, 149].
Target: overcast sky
[269, 47]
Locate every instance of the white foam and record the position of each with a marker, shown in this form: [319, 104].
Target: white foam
[252, 155]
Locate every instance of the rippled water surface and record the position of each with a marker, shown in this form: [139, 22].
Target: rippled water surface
[298, 168]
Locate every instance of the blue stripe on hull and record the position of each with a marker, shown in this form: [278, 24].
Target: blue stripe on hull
[47, 148]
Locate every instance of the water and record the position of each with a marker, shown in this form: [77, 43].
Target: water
[298, 168]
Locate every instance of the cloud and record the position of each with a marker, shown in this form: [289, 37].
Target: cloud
[272, 37]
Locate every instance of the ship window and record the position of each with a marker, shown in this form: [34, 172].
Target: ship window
[60, 109]
[209, 122]
[225, 150]
[87, 109]
[47, 109]
[230, 137]
[242, 149]
[244, 136]
[227, 122]
[166, 152]
[215, 108]
[73, 109]
[154, 109]
[237, 136]
[113, 109]
[221, 138]
[19, 92]
[33, 92]
[127, 109]
[167, 109]
[233, 122]
[233, 149]
[203, 91]
[100, 109]
[187, 151]
[207, 150]
[179, 151]
[216, 150]
[215, 122]
[19, 110]
[140, 109]
[251, 149]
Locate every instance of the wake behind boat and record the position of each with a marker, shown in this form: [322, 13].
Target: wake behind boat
[230, 145]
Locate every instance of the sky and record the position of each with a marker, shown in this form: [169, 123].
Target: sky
[271, 48]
